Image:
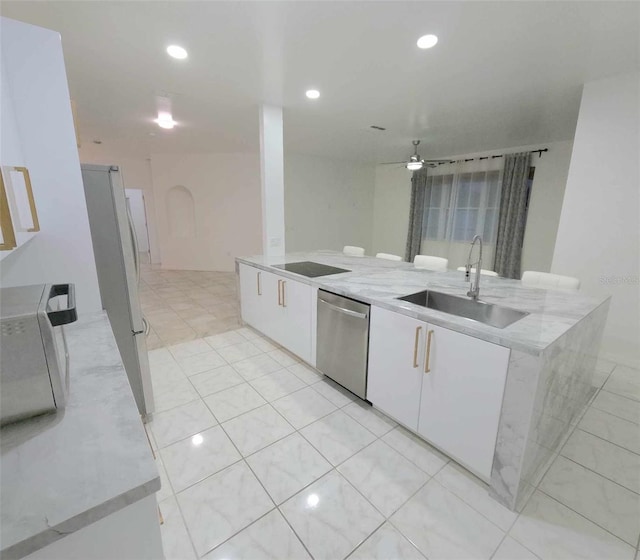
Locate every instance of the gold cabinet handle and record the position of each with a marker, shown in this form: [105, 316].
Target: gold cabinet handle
[279, 293]
[415, 347]
[6, 224]
[427, 369]
[258, 281]
[284, 303]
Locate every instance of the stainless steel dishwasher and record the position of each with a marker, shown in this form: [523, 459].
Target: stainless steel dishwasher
[343, 341]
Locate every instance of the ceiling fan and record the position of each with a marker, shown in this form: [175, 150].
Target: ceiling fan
[415, 162]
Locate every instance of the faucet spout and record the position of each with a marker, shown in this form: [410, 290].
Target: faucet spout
[474, 289]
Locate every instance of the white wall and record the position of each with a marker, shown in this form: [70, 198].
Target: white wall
[393, 195]
[37, 131]
[328, 203]
[549, 184]
[226, 209]
[599, 231]
[136, 174]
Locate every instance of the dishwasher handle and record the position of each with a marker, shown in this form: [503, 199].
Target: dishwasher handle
[343, 310]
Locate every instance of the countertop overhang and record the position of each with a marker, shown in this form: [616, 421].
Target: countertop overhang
[64, 471]
[379, 282]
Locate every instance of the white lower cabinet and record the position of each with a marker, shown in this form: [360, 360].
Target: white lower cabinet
[444, 385]
[396, 358]
[295, 333]
[278, 307]
[462, 397]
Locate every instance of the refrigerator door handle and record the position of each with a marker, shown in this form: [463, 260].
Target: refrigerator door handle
[134, 240]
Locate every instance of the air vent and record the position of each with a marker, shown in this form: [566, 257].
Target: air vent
[376, 127]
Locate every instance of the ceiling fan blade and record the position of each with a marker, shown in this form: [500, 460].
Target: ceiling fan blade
[393, 163]
[436, 160]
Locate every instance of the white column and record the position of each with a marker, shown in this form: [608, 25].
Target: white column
[272, 180]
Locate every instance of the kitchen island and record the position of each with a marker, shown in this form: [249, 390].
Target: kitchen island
[81, 482]
[549, 355]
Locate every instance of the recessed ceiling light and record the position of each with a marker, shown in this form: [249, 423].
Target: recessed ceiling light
[312, 93]
[165, 120]
[427, 41]
[177, 52]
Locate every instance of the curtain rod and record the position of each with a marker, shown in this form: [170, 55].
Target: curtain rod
[539, 152]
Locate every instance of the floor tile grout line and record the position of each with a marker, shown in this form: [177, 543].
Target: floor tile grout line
[471, 505]
[601, 439]
[367, 538]
[595, 472]
[583, 516]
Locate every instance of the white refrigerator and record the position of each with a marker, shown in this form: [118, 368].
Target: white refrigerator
[117, 260]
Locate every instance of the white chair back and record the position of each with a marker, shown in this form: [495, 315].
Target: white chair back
[353, 251]
[549, 281]
[427, 262]
[483, 271]
[388, 256]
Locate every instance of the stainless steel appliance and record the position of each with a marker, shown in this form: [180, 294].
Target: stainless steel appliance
[343, 341]
[310, 269]
[34, 363]
[117, 260]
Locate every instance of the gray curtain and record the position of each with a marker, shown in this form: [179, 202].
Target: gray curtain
[513, 214]
[416, 213]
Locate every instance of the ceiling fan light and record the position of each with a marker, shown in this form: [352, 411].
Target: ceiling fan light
[414, 165]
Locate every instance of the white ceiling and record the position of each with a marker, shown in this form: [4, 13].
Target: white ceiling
[503, 73]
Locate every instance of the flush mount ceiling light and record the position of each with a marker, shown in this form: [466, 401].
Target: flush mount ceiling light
[312, 93]
[427, 41]
[178, 52]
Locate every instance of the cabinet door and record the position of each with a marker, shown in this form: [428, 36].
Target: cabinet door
[396, 360]
[271, 316]
[251, 295]
[462, 397]
[296, 326]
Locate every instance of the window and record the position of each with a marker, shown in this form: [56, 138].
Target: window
[461, 205]
[436, 206]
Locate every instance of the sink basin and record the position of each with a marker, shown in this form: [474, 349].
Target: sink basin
[487, 313]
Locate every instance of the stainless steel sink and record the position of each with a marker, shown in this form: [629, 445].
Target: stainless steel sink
[487, 313]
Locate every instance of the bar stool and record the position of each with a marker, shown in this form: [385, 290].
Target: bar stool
[353, 251]
[549, 281]
[427, 262]
[483, 271]
[388, 256]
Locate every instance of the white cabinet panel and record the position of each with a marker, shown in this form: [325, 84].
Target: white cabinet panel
[250, 295]
[278, 307]
[396, 361]
[462, 397]
[296, 323]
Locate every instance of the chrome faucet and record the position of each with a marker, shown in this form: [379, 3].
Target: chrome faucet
[474, 289]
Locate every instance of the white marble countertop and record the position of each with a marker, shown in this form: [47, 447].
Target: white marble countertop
[379, 282]
[64, 471]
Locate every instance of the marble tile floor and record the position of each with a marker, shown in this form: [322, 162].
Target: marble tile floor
[262, 458]
[182, 305]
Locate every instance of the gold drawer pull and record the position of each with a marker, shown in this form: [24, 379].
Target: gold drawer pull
[284, 303]
[258, 282]
[279, 293]
[427, 369]
[415, 347]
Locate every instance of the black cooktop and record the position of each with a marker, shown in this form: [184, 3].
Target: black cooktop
[310, 269]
